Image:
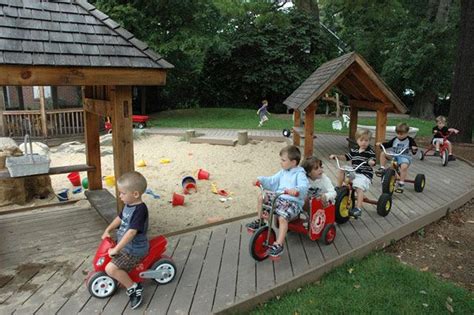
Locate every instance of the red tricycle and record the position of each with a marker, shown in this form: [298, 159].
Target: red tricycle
[138, 121]
[317, 224]
[155, 266]
[443, 148]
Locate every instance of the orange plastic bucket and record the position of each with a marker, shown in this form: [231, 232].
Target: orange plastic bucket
[202, 174]
[75, 178]
[178, 200]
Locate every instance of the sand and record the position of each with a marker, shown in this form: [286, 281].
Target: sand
[231, 168]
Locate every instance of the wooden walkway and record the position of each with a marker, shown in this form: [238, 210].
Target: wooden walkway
[44, 255]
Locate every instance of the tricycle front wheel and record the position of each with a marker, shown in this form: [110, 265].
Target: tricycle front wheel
[258, 245]
[101, 285]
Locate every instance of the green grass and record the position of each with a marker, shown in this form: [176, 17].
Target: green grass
[377, 284]
[232, 118]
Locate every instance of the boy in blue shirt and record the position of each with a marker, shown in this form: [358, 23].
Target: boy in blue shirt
[132, 241]
[292, 179]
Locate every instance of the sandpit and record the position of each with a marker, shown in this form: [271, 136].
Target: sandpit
[231, 168]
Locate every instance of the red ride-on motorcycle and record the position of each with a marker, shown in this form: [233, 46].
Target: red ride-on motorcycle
[443, 148]
[317, 224]
[155, 266]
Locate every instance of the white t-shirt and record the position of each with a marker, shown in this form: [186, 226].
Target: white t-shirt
[323, 185]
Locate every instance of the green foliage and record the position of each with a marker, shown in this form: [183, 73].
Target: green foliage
[378, 284]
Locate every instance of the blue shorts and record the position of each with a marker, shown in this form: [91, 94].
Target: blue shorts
[402, 159]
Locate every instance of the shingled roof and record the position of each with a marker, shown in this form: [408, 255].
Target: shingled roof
[353, 76]
[68, 33]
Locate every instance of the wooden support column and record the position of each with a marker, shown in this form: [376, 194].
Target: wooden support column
[380, 129]
[309, 128]
[297, 124]
[44, 127]
[122, 135]
[91, 133]
[2, 108]
[353, 122]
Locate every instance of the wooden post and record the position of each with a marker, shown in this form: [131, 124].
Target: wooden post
[44, 127]
[353, 122]
[2, 108]
[380, 130]
[91, 133]
[189, 134]
[309, 128]
[122, 135]
[243, 137]
[297, 123]
[338, 106]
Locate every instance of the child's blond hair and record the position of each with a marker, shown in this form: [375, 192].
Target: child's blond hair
[294, 154]
[265, 102]
[441, 119]
[402, 128]
[363, 133]
[132, 181]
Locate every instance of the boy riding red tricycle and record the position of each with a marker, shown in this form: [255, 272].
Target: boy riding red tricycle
[444, 147]
[317, 223]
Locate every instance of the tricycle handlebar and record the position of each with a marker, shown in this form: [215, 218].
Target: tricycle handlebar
[346, 167]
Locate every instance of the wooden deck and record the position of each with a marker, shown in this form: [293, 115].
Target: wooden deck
[44, 255]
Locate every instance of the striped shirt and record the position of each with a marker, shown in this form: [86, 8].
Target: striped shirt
[359, 157]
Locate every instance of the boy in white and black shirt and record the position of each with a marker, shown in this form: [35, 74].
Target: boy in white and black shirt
[401, 143]
[364, 174]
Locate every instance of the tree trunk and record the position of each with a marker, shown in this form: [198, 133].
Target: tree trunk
[443, 11]
[432, 9]
[461, 113]
[424, 105]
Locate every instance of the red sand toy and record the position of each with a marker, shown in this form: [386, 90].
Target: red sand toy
[443, 148]
[138, 121]
[317, 224]
[155, 266]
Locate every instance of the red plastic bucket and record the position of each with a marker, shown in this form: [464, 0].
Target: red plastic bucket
[178, 200]
[189, 185]
[75, 178]
[202, 174]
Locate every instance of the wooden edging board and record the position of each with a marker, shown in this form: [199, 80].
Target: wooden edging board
[314, 274]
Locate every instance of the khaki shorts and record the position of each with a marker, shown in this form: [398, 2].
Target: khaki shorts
[362, 182]
[125, 261]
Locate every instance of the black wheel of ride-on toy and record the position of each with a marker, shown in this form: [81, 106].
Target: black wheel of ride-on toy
[388, 181]
[421, 155]
[344, 202]
[329, 234]
[384, 204]
[258, 246]
[101, 285]
[445, 157]
[420, 182]
[168, 268]
[286, 133]
[141, 125]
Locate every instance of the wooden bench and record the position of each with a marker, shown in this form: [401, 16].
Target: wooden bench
[300, 132]
[4, 174]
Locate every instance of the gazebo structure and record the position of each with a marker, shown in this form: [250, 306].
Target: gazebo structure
[354, 77]
[71, 43]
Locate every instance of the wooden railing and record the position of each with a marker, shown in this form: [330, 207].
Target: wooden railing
[59, 122]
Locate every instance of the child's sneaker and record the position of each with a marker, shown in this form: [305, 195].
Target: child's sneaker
[135, 295]
[275, 250]
[252, 226]
[400, 187]
[380, 171]
[436, 153]
[355, 212]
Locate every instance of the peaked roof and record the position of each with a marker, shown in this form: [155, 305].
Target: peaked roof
[354, 77]
[68, 33]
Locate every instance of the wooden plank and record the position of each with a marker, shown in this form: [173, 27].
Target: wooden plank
[359, 74]
[295, 249]
[246, 268]
[4, 174]
[313, 251]
[226, 282]
[309, 128]
[122, 137]
[296, 124]
[44, 128]
[205, 290]
[161, 300]
[98, 107]
[92, 144]
[380, 130]
[377, 106]
[104, 202]
[283, 268]
[350, 233]
[184, 294]
[218, 139]
[66, 76]
[353, 122]
[265, 277]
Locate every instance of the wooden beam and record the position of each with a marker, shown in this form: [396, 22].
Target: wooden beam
[79, 76]
[44, 127]
[4, 174]
[91, 133]
[296, 123]
[122, 135]
[348, 88]
[98, 107]
[2, 108]
[380, 130]
[370, 105]
[353, 122]
[309, 128]
[362, 76]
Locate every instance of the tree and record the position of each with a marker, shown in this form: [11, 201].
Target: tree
[461, 113]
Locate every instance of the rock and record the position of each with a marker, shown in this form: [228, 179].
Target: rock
[38, 148]
[6, 142]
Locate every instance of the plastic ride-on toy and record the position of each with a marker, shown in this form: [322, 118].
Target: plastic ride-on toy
[318, 224]
[392, 174]
[155, 266]
[443, 149]
[346, 196]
